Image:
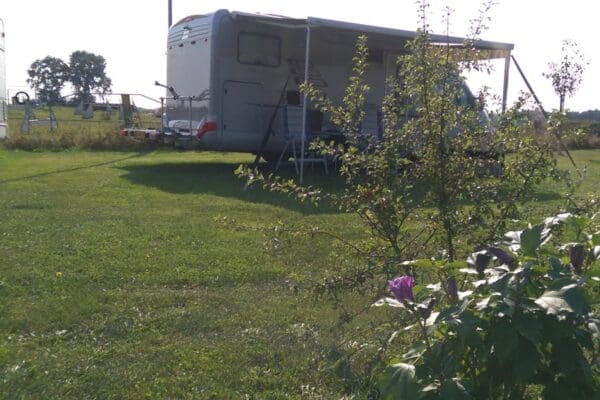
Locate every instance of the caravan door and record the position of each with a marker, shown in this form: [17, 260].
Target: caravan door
[243, 115]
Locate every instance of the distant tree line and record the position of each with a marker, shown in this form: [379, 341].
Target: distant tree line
[589, 115]
[86, 72]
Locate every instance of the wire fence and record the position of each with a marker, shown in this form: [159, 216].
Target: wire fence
[65, 119]
[60, 128]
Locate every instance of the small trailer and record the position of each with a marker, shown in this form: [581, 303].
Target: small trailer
[233, 77]
[3, 93]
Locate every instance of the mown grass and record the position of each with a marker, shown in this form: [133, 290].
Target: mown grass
[153, 275]
[146, 275]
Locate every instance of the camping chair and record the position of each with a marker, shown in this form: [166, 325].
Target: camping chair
[370, 129]
[291, 117]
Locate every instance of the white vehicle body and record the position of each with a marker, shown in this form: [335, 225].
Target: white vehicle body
[229, 71]
[3, 93]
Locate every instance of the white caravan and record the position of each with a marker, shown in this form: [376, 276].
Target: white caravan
[228, 74]
[3, 94]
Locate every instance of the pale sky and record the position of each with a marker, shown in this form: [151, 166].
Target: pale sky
[131, 35]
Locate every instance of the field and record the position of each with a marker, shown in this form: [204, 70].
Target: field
[154, 275]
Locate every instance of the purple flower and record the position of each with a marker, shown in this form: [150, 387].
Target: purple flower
[402, 287]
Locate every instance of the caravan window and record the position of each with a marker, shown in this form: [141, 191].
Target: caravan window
[259, 49]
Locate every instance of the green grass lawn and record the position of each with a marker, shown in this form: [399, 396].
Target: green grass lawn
[153, 275]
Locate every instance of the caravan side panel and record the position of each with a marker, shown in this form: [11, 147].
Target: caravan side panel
[253, 61]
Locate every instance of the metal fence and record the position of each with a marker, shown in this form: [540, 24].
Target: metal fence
[3, 93]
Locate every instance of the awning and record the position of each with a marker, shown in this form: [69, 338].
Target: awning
[270, 19]
[489, 49]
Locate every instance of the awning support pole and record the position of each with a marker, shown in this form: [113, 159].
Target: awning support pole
[539, 103]
[505, 87]
[305, 103]
[537, 100]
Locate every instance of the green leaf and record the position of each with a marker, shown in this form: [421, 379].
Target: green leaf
[452, 389]
[456, 265]
[415, 351]
[398, 382]
[593, 272]
[505, 340]
[422, 263]
[556, 264]
[596, 252]
[594, 327]
[571, 359]
[558, 219]
[528, 327]
[485, 303]
[570, 299]
[531, 239]
[527, 360]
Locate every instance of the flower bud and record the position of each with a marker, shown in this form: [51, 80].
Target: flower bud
[502, 255]
[576, 255]
[452, 289]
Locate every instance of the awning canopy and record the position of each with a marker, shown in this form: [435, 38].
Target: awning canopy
[270, 19]
[489, 49]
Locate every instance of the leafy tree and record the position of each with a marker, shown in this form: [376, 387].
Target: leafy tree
[566, 75]
[88, 74]
[435, 158]
[47, 77]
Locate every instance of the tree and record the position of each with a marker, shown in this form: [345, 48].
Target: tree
[432, 162]
[88, 74]
[424, 191]
[566, 75]
[47, 77]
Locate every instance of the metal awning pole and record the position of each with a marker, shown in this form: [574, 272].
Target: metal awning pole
[537, 100]
[539, 103]
[505, 87]
[305, 103]
[190, 126]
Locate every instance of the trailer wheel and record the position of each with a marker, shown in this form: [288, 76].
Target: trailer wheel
[21, 98]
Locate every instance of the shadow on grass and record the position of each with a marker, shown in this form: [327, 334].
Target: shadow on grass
[64, 170]
[219, 179]
[542, 196]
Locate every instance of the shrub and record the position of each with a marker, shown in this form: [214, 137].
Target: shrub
[522, 326]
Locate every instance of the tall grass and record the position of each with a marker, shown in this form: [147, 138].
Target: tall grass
[72, 132]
